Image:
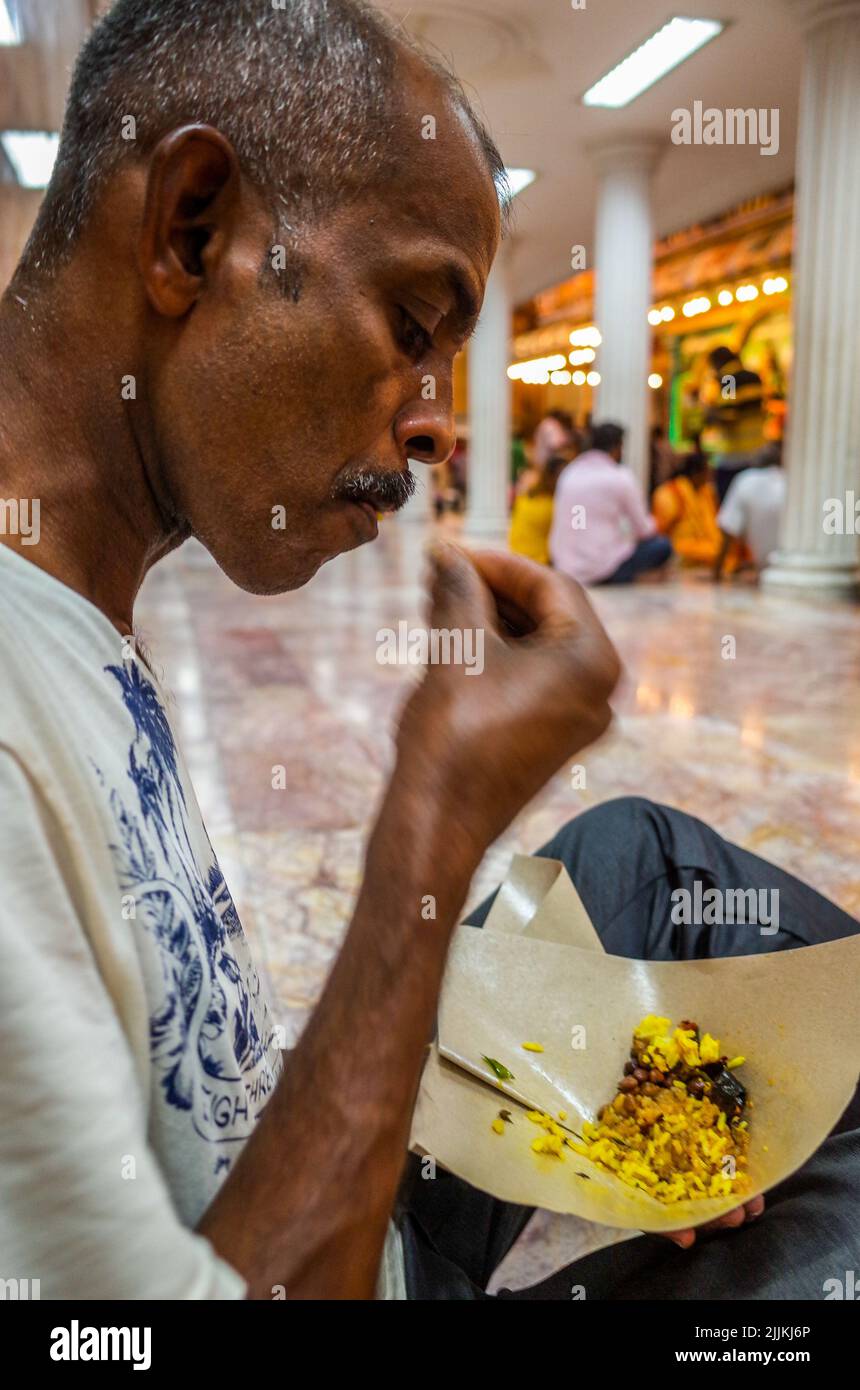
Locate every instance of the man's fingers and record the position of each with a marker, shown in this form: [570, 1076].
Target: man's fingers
[535, 599]
[729, 1221]
[459, 596]
[682, 1238]
[542, 595]
[737, 1216]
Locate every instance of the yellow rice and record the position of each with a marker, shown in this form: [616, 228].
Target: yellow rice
[667, 1142]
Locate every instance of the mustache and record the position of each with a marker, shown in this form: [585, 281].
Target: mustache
[386, 491]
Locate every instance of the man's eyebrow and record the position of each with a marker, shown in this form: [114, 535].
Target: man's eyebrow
[467, 305]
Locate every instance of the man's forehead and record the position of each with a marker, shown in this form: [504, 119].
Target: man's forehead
[448, 250]
[443, 182]
[435, 216]
[446, 227]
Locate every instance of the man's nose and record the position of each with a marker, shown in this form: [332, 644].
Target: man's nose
[426, 431]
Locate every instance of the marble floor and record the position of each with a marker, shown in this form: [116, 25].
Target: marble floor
[765, 745]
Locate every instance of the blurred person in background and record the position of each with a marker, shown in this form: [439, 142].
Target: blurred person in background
[735, 413]
[753, 508]
[449, 481]
[601, 531]
[531, 518]
[663, 461]
[553, 434]
[519, 457]
[685, 510]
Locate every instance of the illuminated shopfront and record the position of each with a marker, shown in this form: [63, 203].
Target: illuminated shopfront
[725, 282]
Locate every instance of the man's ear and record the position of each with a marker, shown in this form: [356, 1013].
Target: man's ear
[191, 198]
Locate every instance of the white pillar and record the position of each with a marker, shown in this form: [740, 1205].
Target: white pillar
[489, 468]
[623, 261]
[823, 446]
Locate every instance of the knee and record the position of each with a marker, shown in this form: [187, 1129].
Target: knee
[622, 816]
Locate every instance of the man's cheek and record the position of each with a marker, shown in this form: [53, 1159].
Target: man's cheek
[374, 357]
[377, 395]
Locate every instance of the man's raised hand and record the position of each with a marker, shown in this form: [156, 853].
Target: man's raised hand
[487, 743]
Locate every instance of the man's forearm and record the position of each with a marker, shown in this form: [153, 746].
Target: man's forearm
[308, 1202]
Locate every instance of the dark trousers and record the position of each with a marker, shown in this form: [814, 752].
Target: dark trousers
[626, 857]
[650, 554]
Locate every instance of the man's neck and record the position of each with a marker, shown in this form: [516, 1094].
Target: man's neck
[68, 444]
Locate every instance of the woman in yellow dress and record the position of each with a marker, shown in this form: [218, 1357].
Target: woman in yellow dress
[685, 509]
[531, 517]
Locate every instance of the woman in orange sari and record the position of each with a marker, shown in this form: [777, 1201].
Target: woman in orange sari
[685, 509]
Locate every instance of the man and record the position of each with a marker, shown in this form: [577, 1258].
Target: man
[166, 343]
[753, 507]
[736, 412]
[601, 532]
[160, 376]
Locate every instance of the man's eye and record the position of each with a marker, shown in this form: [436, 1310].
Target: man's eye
[413, 335]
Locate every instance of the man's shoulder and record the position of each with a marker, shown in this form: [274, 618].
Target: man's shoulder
[747, 482]
[760, 482]
[622, 482]
[21, 680]
[625, 478]
[769, 487]
[43, 676]
[566, 478]
[586, 465]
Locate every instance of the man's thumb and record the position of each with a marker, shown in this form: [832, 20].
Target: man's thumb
[458, 595]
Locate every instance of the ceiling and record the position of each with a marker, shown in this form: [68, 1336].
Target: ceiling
[526, 67]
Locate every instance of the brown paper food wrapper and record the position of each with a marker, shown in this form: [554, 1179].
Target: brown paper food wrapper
[537, 972]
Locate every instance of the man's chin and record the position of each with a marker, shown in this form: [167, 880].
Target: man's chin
[270, 580]
[266, 575]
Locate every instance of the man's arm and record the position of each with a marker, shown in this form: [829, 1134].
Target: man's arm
[308, 1202]
[560, 527]
[721, 558]
[731, 519]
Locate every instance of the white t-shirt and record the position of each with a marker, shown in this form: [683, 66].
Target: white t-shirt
[137, 1047]
[752, 510]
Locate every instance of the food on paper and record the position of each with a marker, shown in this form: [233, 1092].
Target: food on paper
[499, 1070]
[678, 1126]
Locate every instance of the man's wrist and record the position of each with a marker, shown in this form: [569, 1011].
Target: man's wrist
[421, 842]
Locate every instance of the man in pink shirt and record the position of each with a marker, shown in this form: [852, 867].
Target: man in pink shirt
[601, 532]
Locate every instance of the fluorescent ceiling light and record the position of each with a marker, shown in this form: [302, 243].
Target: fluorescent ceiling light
[32, 154]
[10, 30]
[677, 40]
[518, 179]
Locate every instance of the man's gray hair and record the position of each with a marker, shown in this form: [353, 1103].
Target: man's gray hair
[305, 90]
